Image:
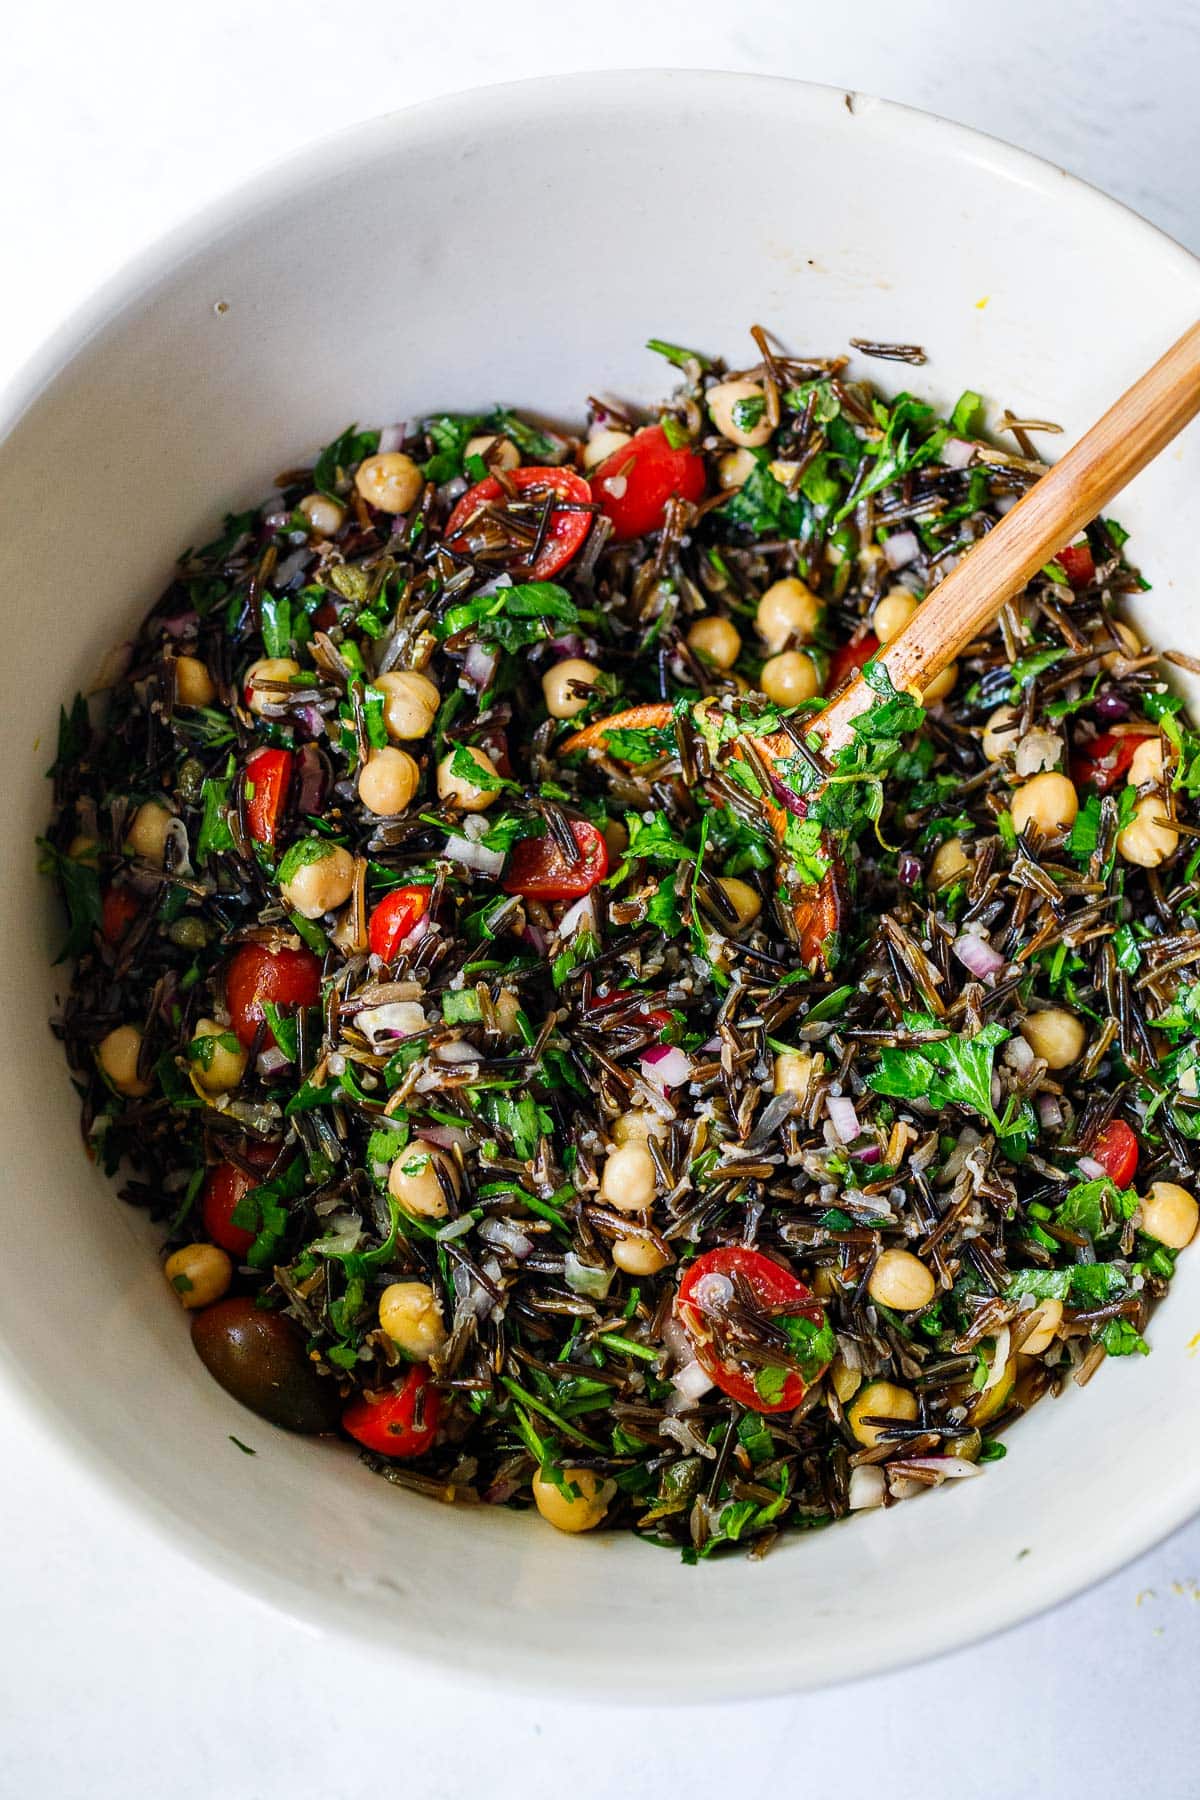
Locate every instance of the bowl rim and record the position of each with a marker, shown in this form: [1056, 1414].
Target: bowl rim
[1111, 1544]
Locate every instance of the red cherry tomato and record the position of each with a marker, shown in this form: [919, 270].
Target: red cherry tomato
[256, 974]
[1077, 564]
[1105, 761]
[774, 1288]
[224, 1187]
[848, 659]
[1116, 1150]
[538, 869]
[268, 778]
[394, 1426]
[565, 532]
[118, 910]
[393, 919]
[652, 471]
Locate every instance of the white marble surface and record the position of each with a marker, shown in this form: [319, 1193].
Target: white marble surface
[124, 1672]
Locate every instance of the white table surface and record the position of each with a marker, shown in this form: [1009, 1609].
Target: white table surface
[124, 1671]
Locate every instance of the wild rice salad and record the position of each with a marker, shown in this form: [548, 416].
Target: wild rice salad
[550, 1072]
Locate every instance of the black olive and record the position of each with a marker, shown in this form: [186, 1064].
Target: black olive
[259, 1358]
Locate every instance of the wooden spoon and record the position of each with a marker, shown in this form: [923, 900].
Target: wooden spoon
[1058, 506]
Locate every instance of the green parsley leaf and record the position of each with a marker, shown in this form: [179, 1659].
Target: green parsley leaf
[331, 474]
[676, 354]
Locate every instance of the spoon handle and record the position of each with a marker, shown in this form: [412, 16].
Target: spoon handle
[1130, 434]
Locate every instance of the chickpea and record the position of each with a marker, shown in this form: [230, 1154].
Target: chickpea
[410, 1314]
[637, 1257]
[325, 516]
[789, 678]
[410, 703]
[222, 1067]
[194, 686]
[892, 614]
[880, 1400]
[391, 482]
[147, 836]
[949, 863]
[844, 1380]
[1001, 732]
[499, 452]
[715, 640]
[793, 1071]
[744, 899]
[387, 782]
[319, 886]
[1048, 1319]
[735, 468]
[199, 1273]
[738, 409]
[267, 668]
[1048, 801]
[1148, 764]
[117, 1055]
[940, 686]
[1056, 1035]
[636, 1125]
[787, 610]
[1170, 1214]
[901, 1281]
[84, 849]
[413, 1180]
[629, 1179]
[602, 444]
[466, 796]
[581, 1511]
[562, 702]
[1148, 839]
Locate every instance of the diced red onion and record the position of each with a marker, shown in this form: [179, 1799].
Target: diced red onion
[999, 1359]
[314, 780]
[450, 491]
[535, 938]
[391, 438]
[1018, 1054]
[571, 645]
[1050, 1112]
[616, 486]
[1089, 1167]
[479, 665]
[272, 1060]
[871, 1154]
[446, 1137]
[181, 624]
[398, 1019]
[310, 718]
[275, 521]
[580, 917]
[290, 567]
[692, 1381]
[675, 1337]
[666, 1066]
[843, 1117]
[867, 1487]
[471, 855]
[956, 453]
[909, 869]
[713, 1044]
[1111, 708]
[900, 549]
[503, 1234]
[977, 955]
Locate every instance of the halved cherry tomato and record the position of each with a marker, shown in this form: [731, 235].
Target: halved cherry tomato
[225, 1185]
[118, 909]
[393, 919]
[256, 974]
[268, 777]
[774, 1289]
[538, 869]
[848, 659]
[1105, 760]
[393, 1426]
[565, 532]
[1077, 564]
[646, 472]
[1116, 1150]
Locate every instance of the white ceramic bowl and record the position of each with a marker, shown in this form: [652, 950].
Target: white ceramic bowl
[521, 244]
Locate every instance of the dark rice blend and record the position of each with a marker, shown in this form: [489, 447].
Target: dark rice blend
[542, 1053]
